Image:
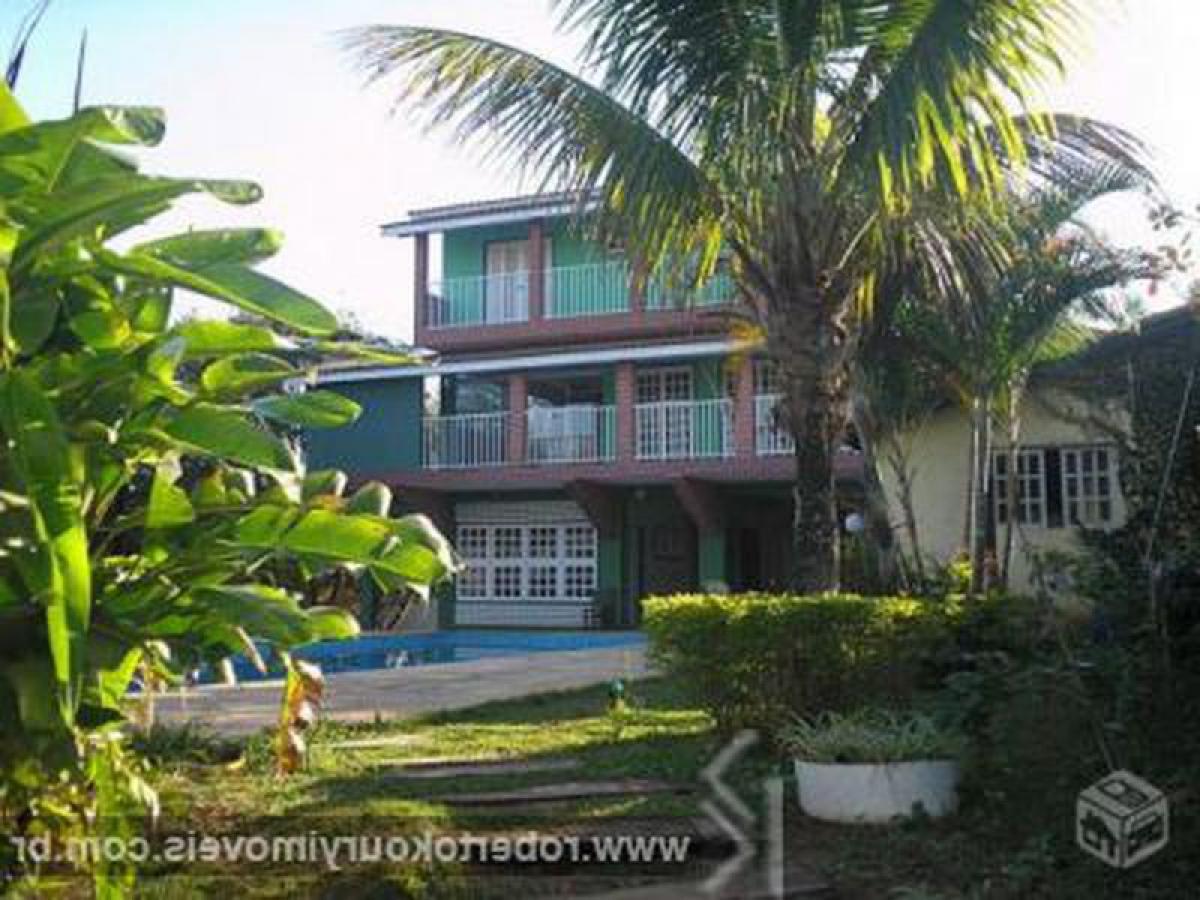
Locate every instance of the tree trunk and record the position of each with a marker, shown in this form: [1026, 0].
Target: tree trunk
[1011, 487]
[899, 461]
[879, 534]
[816, 554]
[980, 512]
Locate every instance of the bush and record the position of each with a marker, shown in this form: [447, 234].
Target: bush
[870, 736]
[755, 660]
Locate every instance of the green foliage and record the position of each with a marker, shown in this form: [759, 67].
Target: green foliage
[869, 736]
[146, 506]
[756, 659]
[814, 148]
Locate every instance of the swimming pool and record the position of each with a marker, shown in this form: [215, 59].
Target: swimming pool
[398, 651]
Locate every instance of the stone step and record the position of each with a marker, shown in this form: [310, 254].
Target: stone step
[571, 790]
[394, 740]
[430, 769]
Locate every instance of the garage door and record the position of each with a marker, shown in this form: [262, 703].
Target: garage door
[527, 564]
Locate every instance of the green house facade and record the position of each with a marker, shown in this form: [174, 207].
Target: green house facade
[585, 437]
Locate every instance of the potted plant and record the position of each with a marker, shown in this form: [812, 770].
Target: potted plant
[874, 765]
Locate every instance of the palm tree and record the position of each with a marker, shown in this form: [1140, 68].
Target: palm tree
[791, 136]
[1059, 280]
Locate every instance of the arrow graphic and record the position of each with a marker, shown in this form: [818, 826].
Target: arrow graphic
[713, 775]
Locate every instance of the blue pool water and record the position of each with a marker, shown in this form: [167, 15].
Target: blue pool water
[397, 651]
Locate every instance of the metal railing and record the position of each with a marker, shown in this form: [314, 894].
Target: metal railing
[465, 441]
[661, 293]
[684, 429]
[571, 434]
[770, 437]
[479, 300]
[597, 289]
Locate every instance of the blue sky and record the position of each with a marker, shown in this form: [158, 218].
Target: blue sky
[259, 89]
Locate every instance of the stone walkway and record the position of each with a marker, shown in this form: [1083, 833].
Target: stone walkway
[396, 693]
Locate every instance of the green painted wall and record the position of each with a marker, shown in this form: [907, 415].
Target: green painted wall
[711, 565]
[386, 436]
[463, 250]
[610, 581]
[708, 383]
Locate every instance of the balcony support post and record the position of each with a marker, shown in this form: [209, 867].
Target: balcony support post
[518, 418]
[537, 270]
[626, 387]
[421, 280]
[745, 425]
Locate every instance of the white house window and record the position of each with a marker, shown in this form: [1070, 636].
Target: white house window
[579, 541]
[1031, 486]
[579, 581]
[472, 582]
[1058, 487]
[1087, 480]
[543, 582]
[507, 582]
[542, 563]
[473, 542]
[543, 542]
[767, 379]
[507, 543]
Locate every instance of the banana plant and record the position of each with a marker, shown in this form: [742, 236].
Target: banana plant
[149, 496]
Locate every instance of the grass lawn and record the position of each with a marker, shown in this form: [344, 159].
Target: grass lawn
[348, 791]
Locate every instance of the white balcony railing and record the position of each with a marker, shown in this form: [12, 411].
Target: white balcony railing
[571, 434]
[592, 290]
[770, 437]
[479, 300]
[465, 441]
[684, 429]
[662, 294]
[595, 289]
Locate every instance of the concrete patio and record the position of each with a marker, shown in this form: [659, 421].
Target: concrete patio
[396, 693]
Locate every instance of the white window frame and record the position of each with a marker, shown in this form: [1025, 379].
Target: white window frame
[575, 548]
[1087, 485]
[506, 270]
[664, 425]
[1031, 505]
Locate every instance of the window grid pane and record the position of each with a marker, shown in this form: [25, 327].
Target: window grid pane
[1088, 485]
[1031, 486]
[527, 563]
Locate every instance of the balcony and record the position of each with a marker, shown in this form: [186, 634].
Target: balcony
[684, 429]
[465, 441]
[478, 300]
[568, 292]
[570, 434]
[770, 438]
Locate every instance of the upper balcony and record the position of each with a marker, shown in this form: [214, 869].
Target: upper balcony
[519, 273]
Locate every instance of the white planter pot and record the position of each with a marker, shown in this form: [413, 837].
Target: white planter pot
[846, 792]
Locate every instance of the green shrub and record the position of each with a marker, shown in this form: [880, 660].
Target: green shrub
[754, 660]
[870, 736]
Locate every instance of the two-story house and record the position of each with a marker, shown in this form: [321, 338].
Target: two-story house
[583, 436]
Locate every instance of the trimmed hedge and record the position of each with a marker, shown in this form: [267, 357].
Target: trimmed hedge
[754, 660]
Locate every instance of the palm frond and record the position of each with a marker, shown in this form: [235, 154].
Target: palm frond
[947, 76]
[553, 124]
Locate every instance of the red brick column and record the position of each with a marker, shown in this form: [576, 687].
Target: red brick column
[518, 404]
[421, 281]
[537, 271]
[626, 388]
[637, 289]
[743, 411]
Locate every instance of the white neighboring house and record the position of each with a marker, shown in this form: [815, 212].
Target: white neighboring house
[1068, 474]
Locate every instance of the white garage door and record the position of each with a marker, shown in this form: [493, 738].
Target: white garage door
[527, 564]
